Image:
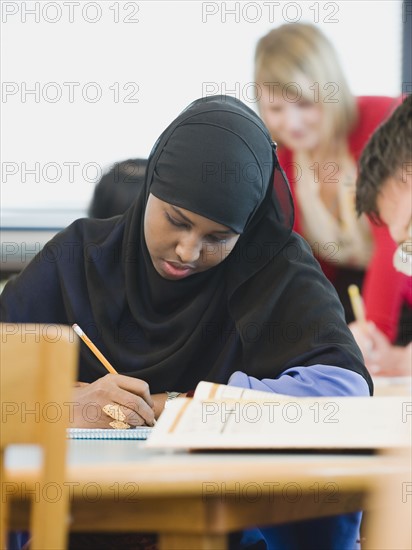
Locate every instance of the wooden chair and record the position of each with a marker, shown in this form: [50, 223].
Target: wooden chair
[388, 523]
[38, 369]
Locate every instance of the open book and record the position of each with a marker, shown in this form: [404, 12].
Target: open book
[228, 417]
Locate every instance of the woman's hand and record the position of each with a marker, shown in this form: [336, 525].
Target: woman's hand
[159, 400]
[363, 334]
[131, 394]
[389, 360]
[381, 357]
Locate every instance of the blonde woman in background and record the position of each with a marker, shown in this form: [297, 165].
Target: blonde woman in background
[321, 129]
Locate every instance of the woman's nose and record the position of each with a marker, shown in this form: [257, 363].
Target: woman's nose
[292, 119]
[189, 249]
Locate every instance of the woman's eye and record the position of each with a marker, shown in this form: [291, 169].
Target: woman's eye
[175, 222]
[304, 104]
[215, 239]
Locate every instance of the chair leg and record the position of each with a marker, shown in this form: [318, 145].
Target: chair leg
[4, 509]
[53, 533]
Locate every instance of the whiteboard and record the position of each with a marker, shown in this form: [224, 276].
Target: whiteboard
[86, 84]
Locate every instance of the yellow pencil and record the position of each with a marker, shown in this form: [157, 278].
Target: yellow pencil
[97, 353]
[93, 348]
[357, 304]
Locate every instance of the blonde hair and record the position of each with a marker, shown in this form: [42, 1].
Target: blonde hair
[296, 50]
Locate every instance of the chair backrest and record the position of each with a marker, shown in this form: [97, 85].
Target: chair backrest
[38, 366]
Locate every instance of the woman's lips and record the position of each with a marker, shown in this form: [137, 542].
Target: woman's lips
[297, 135]
[175, 270]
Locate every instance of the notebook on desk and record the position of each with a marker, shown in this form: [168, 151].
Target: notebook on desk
[141, 432]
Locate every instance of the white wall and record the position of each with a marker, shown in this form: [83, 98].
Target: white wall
[168, 52]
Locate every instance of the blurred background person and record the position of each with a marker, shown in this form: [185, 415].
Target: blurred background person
[384, 193]
[118, 188]
[321, 129]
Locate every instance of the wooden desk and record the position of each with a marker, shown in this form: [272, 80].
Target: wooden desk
[395, 385]
[194, 500]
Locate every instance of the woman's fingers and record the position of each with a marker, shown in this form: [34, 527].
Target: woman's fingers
[130, 396]
[131, 393]
[362, 332]
[135, 408]
[123, 417]
[135, 386]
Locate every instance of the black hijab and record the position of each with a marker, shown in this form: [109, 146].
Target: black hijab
[265, 308]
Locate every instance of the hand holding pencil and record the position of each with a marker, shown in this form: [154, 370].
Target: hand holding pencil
[361, 328]
[125, 401]
[357, 304]
[381, 357]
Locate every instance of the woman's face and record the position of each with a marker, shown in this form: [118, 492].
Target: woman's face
[295, 124]
[181, 243]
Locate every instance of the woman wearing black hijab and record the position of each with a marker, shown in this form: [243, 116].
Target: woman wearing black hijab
[201, 279]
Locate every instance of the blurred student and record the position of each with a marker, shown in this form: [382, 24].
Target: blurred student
[321, 129]
[384, 193]
[118, 188]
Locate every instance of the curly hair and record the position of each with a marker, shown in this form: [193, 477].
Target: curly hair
[387, 154]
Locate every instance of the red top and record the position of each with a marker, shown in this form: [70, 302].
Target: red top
[382, 306]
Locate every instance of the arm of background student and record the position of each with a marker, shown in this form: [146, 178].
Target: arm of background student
[392, 360]
[315, 380]
[383, 307]
[381, 357]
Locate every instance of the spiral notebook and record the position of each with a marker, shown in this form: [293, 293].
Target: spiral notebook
[141, 432]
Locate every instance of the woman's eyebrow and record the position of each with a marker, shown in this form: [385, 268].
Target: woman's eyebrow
[223, 231]
[181, 214]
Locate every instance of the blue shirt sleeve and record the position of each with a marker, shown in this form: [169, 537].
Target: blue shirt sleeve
[315, 380]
